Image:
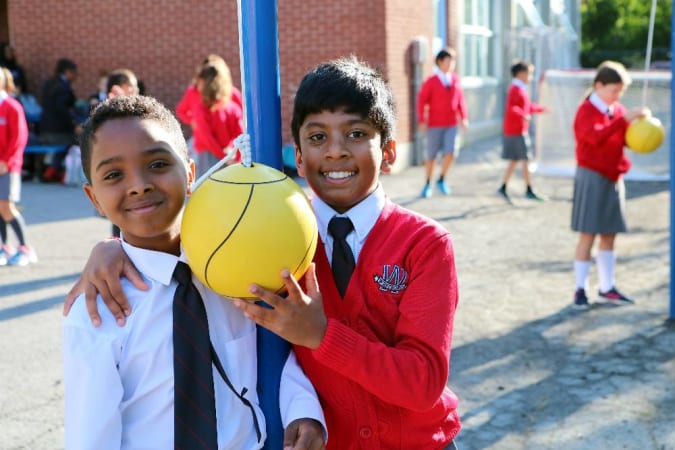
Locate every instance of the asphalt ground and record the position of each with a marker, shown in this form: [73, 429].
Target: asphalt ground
[531, 372]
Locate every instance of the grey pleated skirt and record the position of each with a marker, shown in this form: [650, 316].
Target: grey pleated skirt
[598, 204]
[516, 148]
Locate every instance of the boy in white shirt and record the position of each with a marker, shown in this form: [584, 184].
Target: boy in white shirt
[119, 381]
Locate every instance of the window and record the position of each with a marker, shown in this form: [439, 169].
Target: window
[477, 40]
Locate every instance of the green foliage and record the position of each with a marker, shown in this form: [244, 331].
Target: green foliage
[618, 30]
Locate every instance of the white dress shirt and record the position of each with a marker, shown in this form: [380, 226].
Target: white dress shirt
[119, 385]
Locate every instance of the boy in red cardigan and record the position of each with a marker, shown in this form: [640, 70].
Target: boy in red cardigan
[377, 353]
[13, 138]
[440, 109]
[368, 349]
[517, 116]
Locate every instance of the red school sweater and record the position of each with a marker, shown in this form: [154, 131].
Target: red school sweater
[13, 134]
[440, 106]
[600, 140]
[382, 367]
[518, 110]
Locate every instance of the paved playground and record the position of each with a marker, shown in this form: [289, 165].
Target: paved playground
[531, 372]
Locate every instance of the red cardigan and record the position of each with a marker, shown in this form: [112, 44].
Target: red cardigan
[600, 140]
[518, 110]
[13, 134]
[382, 367]
[439, 106]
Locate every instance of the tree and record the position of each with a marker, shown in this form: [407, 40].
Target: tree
[618, 30]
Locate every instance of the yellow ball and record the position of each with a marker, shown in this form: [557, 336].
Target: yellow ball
[244, 225]
[645, 135]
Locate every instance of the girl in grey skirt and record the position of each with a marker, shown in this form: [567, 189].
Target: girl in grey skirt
[599, 198]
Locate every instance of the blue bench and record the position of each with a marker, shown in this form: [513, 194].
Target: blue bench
[45, 148]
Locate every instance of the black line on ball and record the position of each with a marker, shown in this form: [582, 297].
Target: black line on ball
[248, 182]
[243, 211]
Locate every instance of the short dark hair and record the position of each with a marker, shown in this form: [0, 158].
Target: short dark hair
[611, 72]
[520, 66]
[123, 107]
[445, 53]
[119, 77]
[64, 64]
[350, 84]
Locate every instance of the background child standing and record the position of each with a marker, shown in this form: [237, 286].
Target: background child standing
[13, 138]
[516, 139]
[440, 109]
[599, 196]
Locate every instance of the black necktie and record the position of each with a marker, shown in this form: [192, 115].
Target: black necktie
[195, 404]
[343, 258]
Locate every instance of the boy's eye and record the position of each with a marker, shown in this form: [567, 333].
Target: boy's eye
[159, 164]
[357, 134]
[112, 174]
[317, 137]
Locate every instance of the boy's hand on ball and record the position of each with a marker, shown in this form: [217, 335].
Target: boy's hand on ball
[298, 318]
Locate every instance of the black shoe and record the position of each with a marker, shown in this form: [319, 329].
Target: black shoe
[614, 297]
[502, 191]
[531, 195]
[580, 299]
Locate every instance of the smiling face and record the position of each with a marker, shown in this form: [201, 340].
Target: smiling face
[139, 181]
[341, 156]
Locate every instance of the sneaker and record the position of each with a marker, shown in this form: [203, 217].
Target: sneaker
[444, 188]
[580, 299]
[426, 191]
[23, 257]
[531, 195]
[613, 296]
[5, 255]
[502, 191]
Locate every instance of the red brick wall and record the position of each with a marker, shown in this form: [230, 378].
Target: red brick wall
[405, 20]
[163, 41]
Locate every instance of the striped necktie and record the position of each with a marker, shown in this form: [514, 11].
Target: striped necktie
[195, 405]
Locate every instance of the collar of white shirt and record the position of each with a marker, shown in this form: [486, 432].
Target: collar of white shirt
[445, 77]
[363, 215]
[598, 103]
[518, 82]
[156, 265]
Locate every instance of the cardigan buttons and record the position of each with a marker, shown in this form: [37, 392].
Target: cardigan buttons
[365, 433]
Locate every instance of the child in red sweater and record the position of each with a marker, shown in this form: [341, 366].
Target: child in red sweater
[516, 140]
[13, 138]
[212, 107]
[440, 109]
[599, 197]
[376, 348]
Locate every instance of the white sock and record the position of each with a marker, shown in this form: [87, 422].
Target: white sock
[605, 262]
[581, 270]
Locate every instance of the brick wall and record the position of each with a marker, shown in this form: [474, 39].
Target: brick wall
[163, 41]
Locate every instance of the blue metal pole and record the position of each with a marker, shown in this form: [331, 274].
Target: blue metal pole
[259, 49]
[672, 175]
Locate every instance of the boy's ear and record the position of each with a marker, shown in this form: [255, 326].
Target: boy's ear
[388, 156]
[190, 176]
[89, 190]
[299, 164]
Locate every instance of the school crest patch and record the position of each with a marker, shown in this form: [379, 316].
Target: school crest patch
[393, 278]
